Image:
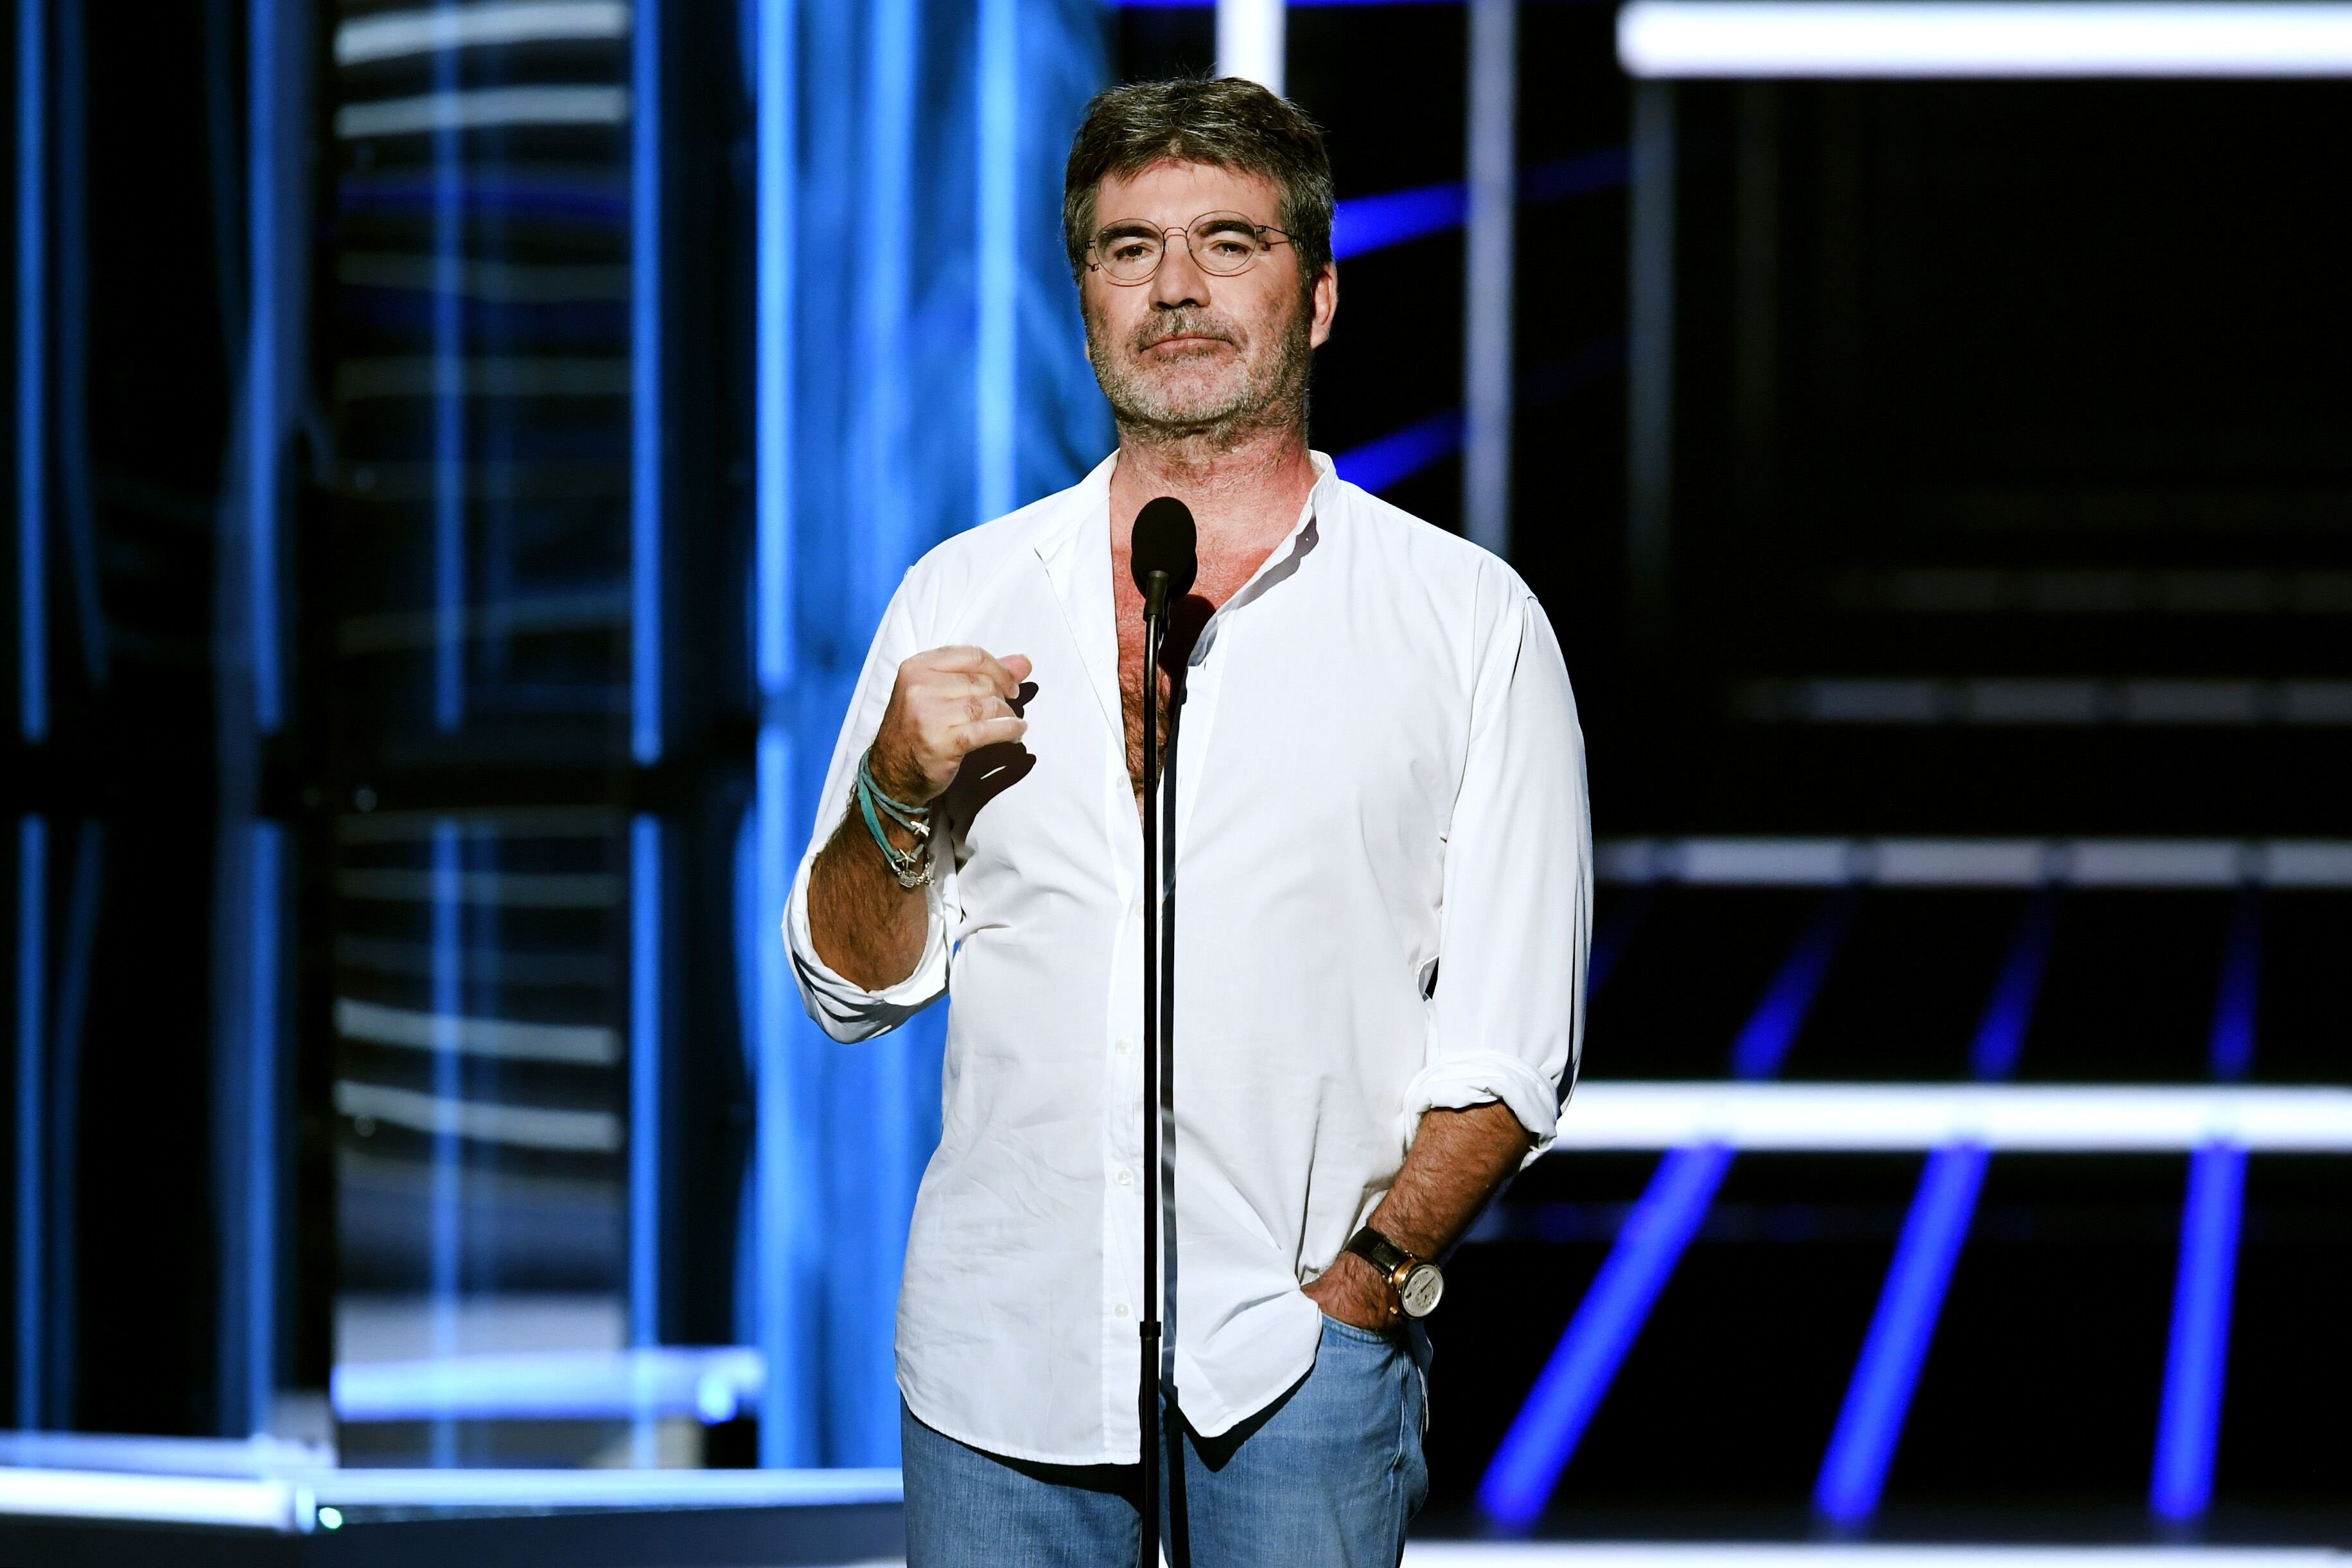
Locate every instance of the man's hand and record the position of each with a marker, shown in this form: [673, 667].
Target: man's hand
[1353, 1291]
[946, 703]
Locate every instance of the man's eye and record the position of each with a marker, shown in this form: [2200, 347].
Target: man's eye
[1231, 248]
[1130, 249]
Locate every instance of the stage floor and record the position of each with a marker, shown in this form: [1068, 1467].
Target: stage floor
[71, 1502]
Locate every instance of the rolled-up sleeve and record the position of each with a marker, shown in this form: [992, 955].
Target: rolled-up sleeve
[1506, 1018]
[842, 1008]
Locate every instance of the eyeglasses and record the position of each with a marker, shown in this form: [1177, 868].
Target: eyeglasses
[1220, 243]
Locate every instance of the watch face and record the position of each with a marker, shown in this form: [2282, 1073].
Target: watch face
[1421, 1289]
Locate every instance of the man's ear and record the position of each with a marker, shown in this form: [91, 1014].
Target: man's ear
[1326, 305]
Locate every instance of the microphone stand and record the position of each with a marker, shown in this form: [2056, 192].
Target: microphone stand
[1155, 627]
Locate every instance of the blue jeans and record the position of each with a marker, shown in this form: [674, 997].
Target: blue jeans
[1328, 1474]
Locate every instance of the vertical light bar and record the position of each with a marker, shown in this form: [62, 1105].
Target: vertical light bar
[264, 359]
[259, 1359]
[2001, 1033]
[995, 350]
[644, 1110]
[883, 532]
[445, 1221]
[1771, 1032]
[1250, 41]
[1568, 1391]
[68, 310]
[778, 149]
[2189, 1426]
[785, 1440]
[1543, 1436]
[2230, 1048]
[448, 405]
[32, 994]
[1650, 357]
[1878, 1398]
[2196, 1360]
[32, 371]
[646, 466]
[1487, 262]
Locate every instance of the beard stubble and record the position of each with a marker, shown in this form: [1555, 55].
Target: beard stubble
[1261, 388]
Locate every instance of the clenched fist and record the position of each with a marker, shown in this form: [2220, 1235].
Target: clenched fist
[947, 702]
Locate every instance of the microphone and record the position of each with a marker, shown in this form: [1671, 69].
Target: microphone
[1164, 545]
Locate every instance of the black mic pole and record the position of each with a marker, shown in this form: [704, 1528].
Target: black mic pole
[1155, 621]
[1164, 560]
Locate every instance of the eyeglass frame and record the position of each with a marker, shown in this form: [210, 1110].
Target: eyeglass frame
[1094, 245]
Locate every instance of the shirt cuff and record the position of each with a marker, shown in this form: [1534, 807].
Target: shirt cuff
[1458, 1082]
[846, 1009]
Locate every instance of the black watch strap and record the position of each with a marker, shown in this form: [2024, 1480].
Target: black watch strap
[1381, 1252]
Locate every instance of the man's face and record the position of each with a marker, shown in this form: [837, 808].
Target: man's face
[1189, 352]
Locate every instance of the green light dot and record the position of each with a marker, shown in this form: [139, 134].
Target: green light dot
[331, 1519]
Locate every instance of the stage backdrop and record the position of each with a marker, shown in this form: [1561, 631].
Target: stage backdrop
[921, 369]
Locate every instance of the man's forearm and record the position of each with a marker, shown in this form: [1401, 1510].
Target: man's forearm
[868, 929]
[1458, 1160]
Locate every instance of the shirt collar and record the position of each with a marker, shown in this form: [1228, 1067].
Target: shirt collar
[1088, 514]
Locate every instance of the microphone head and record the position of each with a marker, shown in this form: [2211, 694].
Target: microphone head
[1164, 540]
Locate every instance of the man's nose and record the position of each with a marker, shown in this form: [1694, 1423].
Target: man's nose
[1180, 281]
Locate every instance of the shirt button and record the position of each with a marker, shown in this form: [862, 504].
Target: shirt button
[1125, 1045]
[1126, 1176]
[1119, 1310]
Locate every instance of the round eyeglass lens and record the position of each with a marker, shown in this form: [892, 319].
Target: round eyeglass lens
[1221, 243]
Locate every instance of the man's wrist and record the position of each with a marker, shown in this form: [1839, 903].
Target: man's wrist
[1355, 1292]
[897, 777]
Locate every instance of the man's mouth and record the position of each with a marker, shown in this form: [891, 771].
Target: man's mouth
[1182, 341]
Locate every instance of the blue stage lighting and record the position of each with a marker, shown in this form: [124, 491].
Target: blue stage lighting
[1569, 1389]
[1399, 454]
[1372, 223]
[2189, 1426]
[1763, 1045]
[1880, 1394]
[2230, 1052]
[1545, 1433]
[2000, 1035]
[1878, 1398]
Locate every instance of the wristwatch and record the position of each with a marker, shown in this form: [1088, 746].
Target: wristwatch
[1418, 1285]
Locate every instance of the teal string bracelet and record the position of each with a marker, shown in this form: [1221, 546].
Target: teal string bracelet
[911, 867]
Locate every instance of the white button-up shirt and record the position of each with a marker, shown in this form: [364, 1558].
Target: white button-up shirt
[1382, 880]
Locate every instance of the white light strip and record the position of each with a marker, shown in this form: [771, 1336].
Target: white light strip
[607, 1489]
[180, 1500]
[523, 1126]
[1736, 38]
[287, 1502]
[245, 1458]
[1863, 1118]
[392, 35]
[709, 1383]
[1610, 1555]
[584, 1045]
[1980, 862]
[1250, 41]
[488, 105]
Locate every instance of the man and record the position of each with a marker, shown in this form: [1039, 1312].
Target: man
[1381, 873]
